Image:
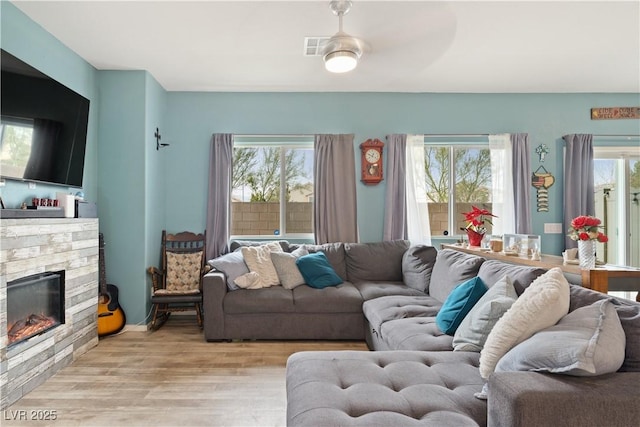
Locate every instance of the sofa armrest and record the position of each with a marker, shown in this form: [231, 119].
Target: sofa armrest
[214, 289]
[519, 399]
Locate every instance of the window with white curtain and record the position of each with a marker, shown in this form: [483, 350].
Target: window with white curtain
[616, 176]
[458, 176]
[272, 187]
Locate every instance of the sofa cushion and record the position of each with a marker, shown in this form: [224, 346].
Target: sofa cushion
[343, 298]
[382, 388]
[285, 265]
[629, 315]
[417, 266]
[459, 302]
[373, 289]
[475, 327]
[386, 308]
[258, 259]
[491, 271]
[275, 299]
[452, 268]
[317, 271]
[589, 341]
[415, 333]
[232, 265]
[541, 305]
[335, 254]
[381, 261]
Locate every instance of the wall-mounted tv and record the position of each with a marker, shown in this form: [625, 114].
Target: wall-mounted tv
[43, 126]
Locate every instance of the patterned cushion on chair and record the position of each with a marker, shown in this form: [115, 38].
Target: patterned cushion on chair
[183, 273]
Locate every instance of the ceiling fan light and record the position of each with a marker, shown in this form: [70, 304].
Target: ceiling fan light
[341, 61]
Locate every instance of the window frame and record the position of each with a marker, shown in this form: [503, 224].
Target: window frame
[284, 143]
[453, 142]
[623, 155]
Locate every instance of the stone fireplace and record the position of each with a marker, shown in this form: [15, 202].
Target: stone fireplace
[56, 319]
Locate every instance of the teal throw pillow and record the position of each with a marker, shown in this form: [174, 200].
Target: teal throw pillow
[459, 302]
[317, 271]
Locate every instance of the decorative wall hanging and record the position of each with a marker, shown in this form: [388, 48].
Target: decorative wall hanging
[158, 138]
[615, 113]
[542, 150]
[542, 180]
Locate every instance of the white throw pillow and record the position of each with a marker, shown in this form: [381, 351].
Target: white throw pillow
[288, 272]
[258, 259]
[589, 341]
[250, 280]
[478, 323]
[541, 305]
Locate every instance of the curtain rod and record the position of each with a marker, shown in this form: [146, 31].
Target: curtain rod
[474, 135]
[273, 135]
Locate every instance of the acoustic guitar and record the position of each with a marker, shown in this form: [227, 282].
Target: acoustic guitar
[111, 318]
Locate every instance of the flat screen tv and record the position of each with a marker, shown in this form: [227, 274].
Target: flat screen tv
[43, 126]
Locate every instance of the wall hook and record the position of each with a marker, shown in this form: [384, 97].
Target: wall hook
[158, 138]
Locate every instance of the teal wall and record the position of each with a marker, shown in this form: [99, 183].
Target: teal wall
[193, 117]
[141, 191]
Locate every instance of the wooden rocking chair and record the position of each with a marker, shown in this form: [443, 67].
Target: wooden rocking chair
[178, 285]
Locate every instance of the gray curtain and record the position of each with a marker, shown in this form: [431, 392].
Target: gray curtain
[395, 206]
[521, 182]
[578, 180]
[335, 213]
[218, 204]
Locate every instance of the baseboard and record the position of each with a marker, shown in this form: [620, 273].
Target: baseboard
[135, 328]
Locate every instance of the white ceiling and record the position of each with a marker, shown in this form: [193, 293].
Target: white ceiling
[413, 46]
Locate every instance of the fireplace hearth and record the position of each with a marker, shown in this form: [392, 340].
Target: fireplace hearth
[35, 304]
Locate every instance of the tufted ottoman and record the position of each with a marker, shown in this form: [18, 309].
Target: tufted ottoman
[384, 388]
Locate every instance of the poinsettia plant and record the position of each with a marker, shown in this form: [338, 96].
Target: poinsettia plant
[477, 218]
[585, 227]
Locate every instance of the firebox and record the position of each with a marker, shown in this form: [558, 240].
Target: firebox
[35, 304]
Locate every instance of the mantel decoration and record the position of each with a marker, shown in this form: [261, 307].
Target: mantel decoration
[586, 230]
[476, 228]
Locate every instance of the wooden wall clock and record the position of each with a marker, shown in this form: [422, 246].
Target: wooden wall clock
[371, 153]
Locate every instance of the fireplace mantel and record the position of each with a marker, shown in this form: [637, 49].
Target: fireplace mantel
[35, 245]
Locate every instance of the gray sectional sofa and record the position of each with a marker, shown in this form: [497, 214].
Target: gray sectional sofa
[414, 376]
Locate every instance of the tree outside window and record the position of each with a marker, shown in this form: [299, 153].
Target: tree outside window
[272, 191]
[471, 173]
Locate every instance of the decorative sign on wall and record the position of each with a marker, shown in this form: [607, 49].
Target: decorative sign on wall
[542, 150]
[615, 113]
[542, 180]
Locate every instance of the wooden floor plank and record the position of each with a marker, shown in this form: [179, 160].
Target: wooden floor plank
[170, 377]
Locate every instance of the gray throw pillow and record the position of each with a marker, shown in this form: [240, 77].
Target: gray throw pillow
[288, 272]
[475, 327]
[377, 261]
[451, 269]
[232, 265]
[417, 265]
[589, 341]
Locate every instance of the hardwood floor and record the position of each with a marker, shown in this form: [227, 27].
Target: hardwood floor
[170, 377]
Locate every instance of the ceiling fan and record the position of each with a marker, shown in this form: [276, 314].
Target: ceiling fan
[342, 51]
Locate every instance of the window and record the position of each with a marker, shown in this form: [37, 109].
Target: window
[458, 175]
[272, 187]
[616, 175]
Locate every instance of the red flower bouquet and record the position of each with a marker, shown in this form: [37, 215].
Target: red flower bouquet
[586, 227]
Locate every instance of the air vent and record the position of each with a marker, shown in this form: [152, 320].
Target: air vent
[313, 46]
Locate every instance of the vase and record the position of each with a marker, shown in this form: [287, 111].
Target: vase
[587, 254]
[475, 238]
